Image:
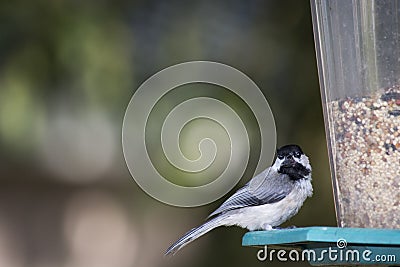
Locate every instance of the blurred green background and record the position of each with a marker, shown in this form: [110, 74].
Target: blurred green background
[67, 72]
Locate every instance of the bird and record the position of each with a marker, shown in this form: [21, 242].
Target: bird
[265, 202]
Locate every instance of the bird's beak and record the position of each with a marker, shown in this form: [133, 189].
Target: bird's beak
[288, 163]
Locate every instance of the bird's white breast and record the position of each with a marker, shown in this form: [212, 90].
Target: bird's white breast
[269, 215]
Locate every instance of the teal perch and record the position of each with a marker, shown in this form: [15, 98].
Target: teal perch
[328, 245]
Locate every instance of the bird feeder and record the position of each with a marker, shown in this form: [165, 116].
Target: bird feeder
[358, 54]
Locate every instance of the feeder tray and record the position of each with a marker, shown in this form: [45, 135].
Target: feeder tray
[373, 246]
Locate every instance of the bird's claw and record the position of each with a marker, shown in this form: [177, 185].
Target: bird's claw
[281, 228]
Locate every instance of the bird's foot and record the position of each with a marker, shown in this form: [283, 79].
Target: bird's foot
[280, 228]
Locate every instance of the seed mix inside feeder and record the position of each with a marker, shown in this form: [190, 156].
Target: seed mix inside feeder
[367, 151]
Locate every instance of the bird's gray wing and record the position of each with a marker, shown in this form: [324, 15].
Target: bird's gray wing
[266, 188]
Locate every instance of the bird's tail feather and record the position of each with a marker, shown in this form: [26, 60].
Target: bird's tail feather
[194, 234]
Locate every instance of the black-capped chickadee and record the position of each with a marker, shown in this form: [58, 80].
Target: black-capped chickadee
[265, 202]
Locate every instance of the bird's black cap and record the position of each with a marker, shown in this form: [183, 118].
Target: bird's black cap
[288, 149]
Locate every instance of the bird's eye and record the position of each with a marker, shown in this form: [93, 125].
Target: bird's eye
[297, 154]
[280, 157]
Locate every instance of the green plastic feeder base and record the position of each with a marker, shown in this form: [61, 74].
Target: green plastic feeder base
[328, 245]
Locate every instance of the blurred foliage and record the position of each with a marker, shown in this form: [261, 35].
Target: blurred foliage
[69, 59]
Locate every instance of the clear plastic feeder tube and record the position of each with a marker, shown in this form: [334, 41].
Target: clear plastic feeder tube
[358, 54]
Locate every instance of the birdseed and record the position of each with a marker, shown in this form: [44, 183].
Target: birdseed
[365, 140]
